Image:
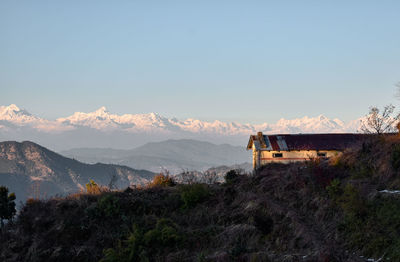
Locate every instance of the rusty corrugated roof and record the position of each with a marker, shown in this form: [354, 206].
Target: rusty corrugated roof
[273, 141]
[284, 142]
[314, 141]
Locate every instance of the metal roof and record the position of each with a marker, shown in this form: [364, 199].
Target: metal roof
[288, 142]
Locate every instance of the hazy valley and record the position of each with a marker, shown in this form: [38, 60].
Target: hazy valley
[172, 155]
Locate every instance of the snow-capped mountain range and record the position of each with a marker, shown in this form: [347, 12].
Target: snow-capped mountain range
[16, 123]
[102, 119]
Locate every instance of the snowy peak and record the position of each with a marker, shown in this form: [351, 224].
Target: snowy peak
[14, 114]
[101, 119]
[12, 107]
[101, 111]
[12, 110]
[310, 124]
[16, 117]
[98, 119]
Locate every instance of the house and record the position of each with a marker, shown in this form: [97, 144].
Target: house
[298, 147]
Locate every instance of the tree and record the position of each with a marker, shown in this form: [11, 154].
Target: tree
[93, 188]
[7, 205]
[162, 179]
[379, 123]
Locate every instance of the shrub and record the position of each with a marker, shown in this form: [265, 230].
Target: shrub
[139, 245]
[231, 176]
[377, 232]
[132, 249]
[334, 189]
[361, 171]
[93, 188]
[351, 202]
[395, 157]
[164, 234]
[162, 180]
[7, 204]
[193, 194]
[336, 160]
[109, 206]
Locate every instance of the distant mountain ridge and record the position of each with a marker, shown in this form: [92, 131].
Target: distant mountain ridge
[28, 167]
[104, 129]
[102, 119]
[172, 155]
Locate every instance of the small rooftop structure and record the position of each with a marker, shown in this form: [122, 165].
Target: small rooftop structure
[287, 148]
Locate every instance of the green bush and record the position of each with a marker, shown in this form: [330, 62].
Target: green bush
[371, 226]
[130, 250]
[193, 194]
[109, 206]
[139, 245]
[164, 234]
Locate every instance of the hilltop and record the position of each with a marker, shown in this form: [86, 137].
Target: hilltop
[345, 209]
[31, 170]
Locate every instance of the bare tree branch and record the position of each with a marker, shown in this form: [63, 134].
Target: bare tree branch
[379, 123]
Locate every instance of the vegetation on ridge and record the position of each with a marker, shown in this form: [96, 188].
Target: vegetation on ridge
[336, 210]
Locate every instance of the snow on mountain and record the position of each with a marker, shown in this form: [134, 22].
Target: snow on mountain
[309, 125]
[99, 119]
[355, 124]
[16, 115]
[103, 120]
[146, 122]
[12, 116]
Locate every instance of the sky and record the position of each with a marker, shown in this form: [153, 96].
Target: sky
[244, 61]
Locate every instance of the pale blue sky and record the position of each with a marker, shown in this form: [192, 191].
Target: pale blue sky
[245, 61]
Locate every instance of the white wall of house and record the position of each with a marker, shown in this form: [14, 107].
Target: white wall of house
[262, 157]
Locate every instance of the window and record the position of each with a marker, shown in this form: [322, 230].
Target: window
[277, 155]
[321, 154]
